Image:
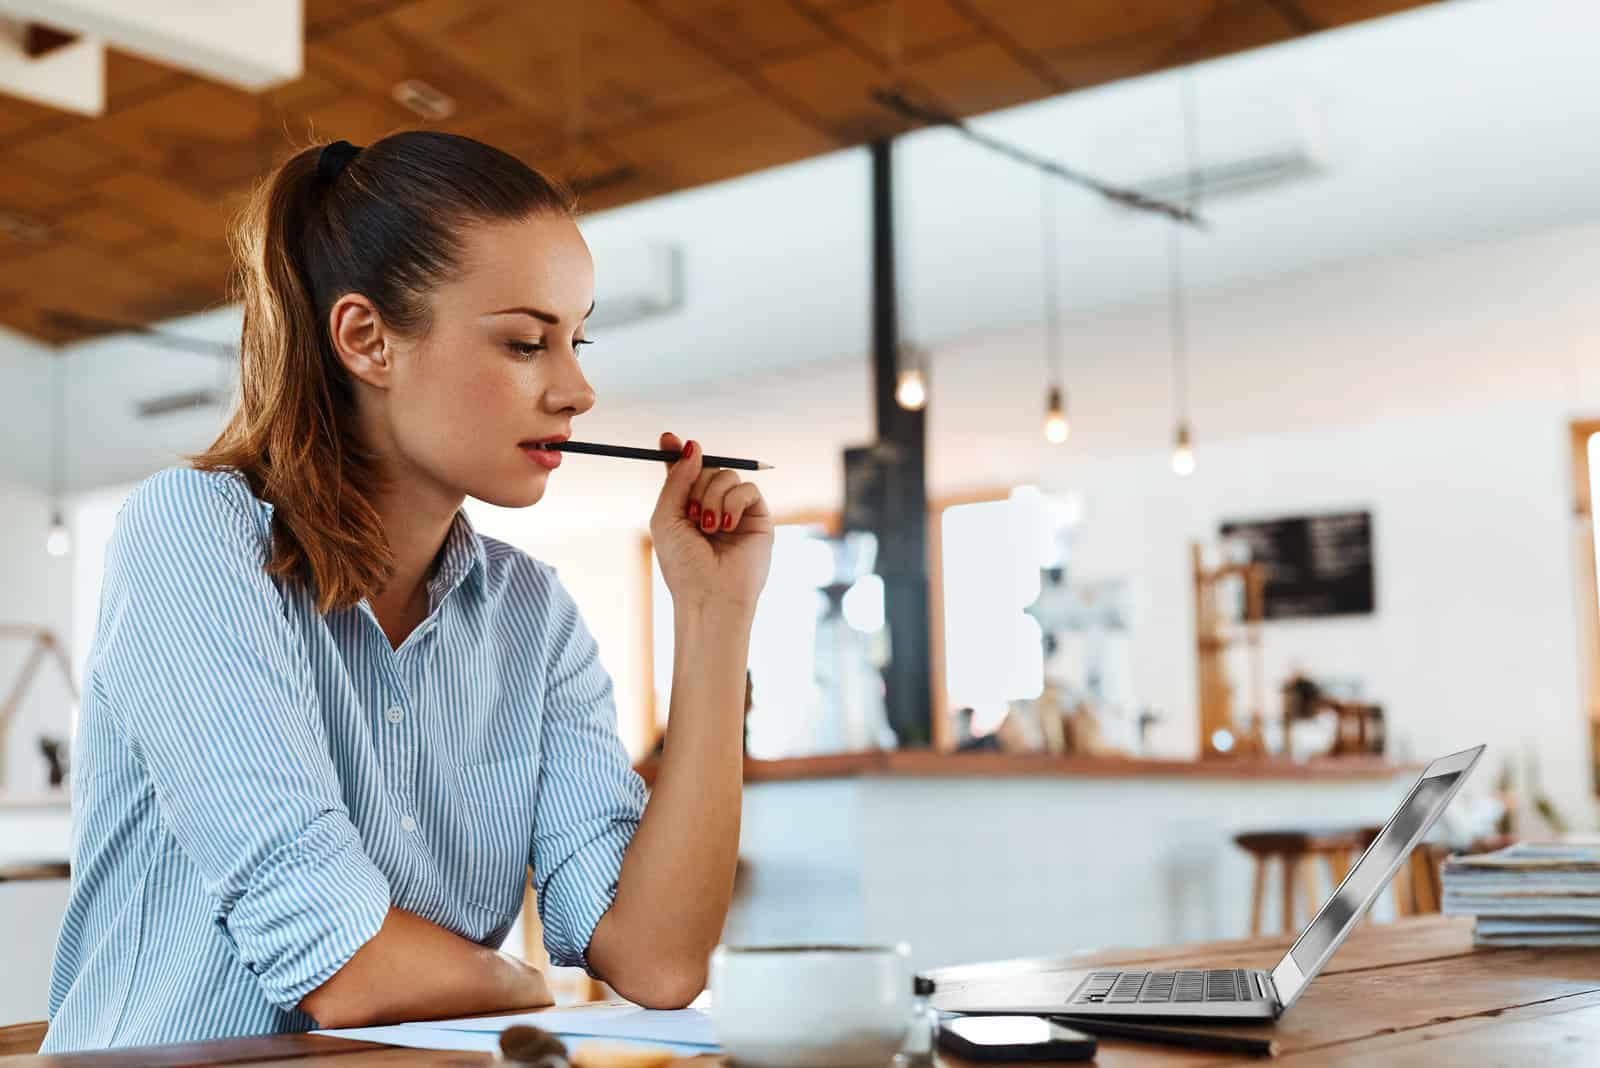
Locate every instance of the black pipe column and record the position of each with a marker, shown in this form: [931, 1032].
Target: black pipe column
[902, 522]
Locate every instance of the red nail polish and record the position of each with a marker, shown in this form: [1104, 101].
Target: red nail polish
[688, 449]
[694, 509]
[711, 520]
[727, 520]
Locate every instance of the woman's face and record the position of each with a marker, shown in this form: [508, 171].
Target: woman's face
[498, 368]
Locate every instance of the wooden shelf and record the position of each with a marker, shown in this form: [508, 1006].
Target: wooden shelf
[910, 764]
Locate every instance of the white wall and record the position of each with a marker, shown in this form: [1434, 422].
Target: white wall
[1474, 638]
[35, 591]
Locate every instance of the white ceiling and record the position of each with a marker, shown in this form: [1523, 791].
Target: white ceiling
[1456, 123]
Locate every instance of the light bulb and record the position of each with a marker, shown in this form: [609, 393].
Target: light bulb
[1057, 427]
[1183, 463]
[59, 541]
[911, 392]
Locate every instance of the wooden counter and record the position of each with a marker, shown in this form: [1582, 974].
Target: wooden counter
[911, 763]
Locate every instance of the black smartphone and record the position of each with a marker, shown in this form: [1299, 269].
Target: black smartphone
[1013, 1038]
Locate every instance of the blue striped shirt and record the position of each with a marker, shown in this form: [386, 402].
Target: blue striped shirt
[256, 783]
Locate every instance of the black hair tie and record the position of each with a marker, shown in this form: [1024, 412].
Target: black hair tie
[334, 158]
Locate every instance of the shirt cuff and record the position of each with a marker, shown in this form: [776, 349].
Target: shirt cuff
[308, 908]
[581, 891]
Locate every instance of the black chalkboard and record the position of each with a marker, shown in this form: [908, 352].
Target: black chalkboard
[1317, 565]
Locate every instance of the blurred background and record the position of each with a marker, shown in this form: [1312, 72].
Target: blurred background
[1180, 410]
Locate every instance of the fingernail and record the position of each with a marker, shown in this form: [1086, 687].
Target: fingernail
[688, 449]
[710, 520]
[694, 509]
[727, 520]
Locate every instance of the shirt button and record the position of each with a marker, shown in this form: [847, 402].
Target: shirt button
[395, 714]
[408, 824]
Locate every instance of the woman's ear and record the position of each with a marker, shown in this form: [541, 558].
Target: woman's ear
[359, 339]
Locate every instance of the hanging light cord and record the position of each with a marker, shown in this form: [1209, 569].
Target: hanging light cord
[1175, 310]
[1175, 296]
[57, 438]
[1047, 273]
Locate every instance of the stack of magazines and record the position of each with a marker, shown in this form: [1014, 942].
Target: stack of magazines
[1530, 894]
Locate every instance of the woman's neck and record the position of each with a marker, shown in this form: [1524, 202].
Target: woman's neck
[416, 523]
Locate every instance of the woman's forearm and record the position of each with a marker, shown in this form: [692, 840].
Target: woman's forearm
[677, 876]
[416, 970]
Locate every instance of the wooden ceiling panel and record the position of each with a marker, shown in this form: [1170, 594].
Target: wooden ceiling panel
[26, 191]
[835, 84]
[201, 218]
[926, 28]
[978, 78]
[130, 79]
[192, 266]
[376, 54]
[747, 133]
[627, 99]
[748, 34]
[108, 227]
[1232, 27]
[72, 277]
[20, 117]
[355, 117]
[74, 154]
[628, 64]
[1323, 14]
[207, 138]
[1110, 60]
[1047, 28]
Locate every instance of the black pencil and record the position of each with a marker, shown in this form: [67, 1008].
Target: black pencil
[627, 452]
[1170, 1036]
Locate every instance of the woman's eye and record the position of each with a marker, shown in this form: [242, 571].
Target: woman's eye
[580, 341]
[525, 349]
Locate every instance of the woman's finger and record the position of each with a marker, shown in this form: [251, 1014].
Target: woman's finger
[698, 490]
[711, 508]
[680, 480]
[740, 499]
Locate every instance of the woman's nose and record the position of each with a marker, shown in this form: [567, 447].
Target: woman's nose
[572, 391]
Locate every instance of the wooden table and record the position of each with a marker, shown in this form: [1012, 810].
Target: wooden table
[1413, 993]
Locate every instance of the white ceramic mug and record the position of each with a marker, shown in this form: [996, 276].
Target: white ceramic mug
[837, 1006]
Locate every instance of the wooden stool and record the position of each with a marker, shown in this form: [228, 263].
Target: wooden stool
[1296, 852]
[1416, 886]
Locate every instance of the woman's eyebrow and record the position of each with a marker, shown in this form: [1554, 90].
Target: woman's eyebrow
[537, 314]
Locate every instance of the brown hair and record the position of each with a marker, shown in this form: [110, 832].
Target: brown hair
[388, 226]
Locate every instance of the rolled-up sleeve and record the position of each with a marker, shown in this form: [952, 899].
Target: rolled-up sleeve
[206, 681]
[590, 800]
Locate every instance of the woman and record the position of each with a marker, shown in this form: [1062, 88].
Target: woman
[327, 727]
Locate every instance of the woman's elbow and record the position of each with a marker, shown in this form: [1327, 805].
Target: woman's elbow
[662, 986]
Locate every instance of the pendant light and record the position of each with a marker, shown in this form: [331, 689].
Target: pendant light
[1057, 427]
[911, 382]
[1183, 458]
[58, 542]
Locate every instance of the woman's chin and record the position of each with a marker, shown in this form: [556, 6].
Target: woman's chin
[502, 495]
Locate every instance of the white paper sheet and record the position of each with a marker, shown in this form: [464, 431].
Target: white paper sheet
[686, 1031]
[425, 1036]
[688, 1026]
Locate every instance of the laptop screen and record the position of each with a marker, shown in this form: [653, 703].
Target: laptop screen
[1372, 872]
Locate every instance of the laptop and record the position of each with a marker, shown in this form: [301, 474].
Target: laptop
[1224, 993]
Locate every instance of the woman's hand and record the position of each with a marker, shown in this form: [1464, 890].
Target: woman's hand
[712, 533]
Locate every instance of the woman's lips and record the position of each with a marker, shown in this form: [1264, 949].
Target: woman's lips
[548, 458]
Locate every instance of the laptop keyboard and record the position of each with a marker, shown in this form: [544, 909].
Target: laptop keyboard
[1126, 988]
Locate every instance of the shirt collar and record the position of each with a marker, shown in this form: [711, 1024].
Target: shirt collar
[460, 559]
